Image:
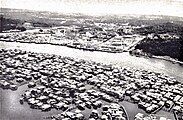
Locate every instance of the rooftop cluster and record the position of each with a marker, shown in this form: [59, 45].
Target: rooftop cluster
[107, 112]
[106, 37]
[57, 82]
[141, 116]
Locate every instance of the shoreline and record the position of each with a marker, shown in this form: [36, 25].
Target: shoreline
[149, 55]
[174, 61]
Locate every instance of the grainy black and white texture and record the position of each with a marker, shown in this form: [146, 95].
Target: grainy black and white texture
[91, 60]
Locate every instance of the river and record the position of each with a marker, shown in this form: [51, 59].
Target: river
[12, 110]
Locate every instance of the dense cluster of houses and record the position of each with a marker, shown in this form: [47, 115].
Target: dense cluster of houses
[108, 37]
[107, 112]
[57, 82]
[141, 116]
[166, 36]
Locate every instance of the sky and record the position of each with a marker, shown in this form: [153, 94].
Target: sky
[101, 7]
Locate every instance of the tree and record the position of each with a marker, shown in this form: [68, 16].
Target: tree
[21, 29]
[40, 30]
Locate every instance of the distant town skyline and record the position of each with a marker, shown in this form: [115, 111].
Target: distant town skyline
[101, 7]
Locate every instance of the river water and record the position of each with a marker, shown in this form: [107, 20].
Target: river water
[12, 110]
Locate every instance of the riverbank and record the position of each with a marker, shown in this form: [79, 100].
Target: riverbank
[174, 61]
[139, 53]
